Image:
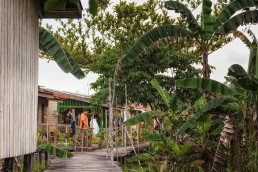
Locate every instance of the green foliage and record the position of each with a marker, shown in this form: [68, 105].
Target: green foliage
[205, 85]
[47, 42]
[182, 9]
[215, 104]
[141, 117]
[248, 17]
[38, 167]
[93, 7]
[65, 61]
[231, 8]
[55, 5]
[154, 35]
[207, 20]
[243, 79]
[59, 152]
[155, 137]
[140, 157]
[163, 93]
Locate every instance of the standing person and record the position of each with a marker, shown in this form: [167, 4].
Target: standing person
[84, 123]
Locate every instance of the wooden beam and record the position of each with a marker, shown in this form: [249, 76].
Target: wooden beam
[27, 162]
[8, 164]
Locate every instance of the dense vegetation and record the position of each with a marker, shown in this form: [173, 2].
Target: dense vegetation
[208, 126]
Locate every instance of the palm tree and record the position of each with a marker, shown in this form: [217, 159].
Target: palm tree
[201, 35]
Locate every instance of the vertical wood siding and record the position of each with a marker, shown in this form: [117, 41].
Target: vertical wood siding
[52, 108]
[18, 77]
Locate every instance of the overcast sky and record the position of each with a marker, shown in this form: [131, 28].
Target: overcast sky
[51, 76]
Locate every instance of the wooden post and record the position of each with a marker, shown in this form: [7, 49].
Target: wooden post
[47, 127]
[40, 156]
[82, 141]
[46, 159]
[87, 139]
[116, 125]
[55, 139]
[28, 159]
[125, 115]
[137, 132]
[8, 164]
[91, 134]
[106, 132]
[111, 122]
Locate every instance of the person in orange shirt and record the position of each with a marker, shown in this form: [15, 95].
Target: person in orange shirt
[84, 123]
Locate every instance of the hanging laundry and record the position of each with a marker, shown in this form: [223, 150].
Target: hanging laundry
[95, 126]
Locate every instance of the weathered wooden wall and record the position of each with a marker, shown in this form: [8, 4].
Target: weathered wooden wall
[18, 76]
[52, 108]
[42, 110]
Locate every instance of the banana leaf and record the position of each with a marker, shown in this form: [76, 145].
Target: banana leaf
[48, 43]
[231, 9]
[163, 93]
[243, 38]
[248, 17]
[206, 20]
[154, 35]
[182, 9]
[76, 70]
[205, 85]
[141, 117]
[140, 157]
[243, 79]
[215, 103]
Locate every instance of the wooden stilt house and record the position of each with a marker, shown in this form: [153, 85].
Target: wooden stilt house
[19, 45]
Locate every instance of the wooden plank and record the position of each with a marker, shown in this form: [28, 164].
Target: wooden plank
[91, 161]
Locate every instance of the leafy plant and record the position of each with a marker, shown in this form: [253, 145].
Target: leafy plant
[65, 61]
[202, 37]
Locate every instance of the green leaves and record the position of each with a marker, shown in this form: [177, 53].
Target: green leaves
[207, 20]
[243, 79]
[163, 93]
[182, 9]
[205, 85]
[93, 7]
[55, 5]
[140, 157]
[154, 35]
[48, 43]
[231, 9]
[248, 17]
[215, 103]
[76, 70]
[59, 152]
[155, 137]
[141, 117]
[65, 61]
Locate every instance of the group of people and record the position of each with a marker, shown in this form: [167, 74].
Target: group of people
[84, 123]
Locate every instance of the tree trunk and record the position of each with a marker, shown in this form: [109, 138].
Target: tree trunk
[206, 67]
[237, 151]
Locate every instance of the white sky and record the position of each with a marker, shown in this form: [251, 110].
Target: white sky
[51, 76]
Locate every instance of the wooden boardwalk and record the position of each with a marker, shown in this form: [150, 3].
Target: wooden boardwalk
[94, 161]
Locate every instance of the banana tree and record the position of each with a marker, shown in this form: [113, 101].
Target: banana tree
[165, 146]
[201, 35]
[239, 103]
[65, 61]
